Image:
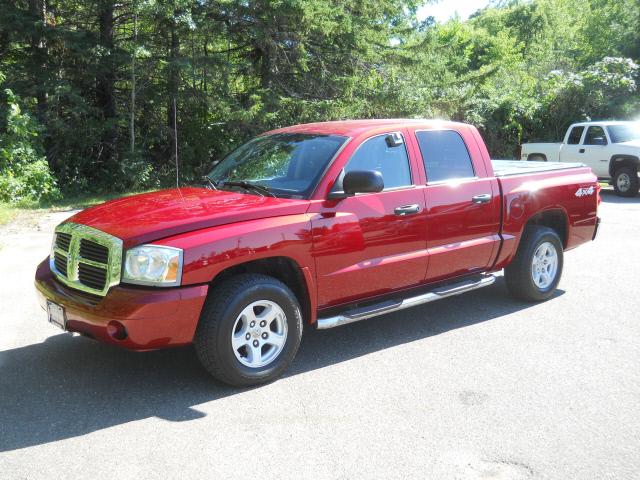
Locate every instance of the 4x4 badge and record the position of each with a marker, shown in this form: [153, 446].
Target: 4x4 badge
[581, 192]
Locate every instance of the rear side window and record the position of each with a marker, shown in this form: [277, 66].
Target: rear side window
[445, 155]
[575, 135]
[386, 154]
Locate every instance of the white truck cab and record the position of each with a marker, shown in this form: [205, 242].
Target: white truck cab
[611, 149]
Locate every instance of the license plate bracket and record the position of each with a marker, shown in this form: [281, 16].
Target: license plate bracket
[56, 315]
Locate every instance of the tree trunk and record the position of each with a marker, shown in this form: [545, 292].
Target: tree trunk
[172, 89]
[265, 65]
[38, 9]
[132, 118]
[105, 88]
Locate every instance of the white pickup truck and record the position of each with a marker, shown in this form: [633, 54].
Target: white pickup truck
[611, 149]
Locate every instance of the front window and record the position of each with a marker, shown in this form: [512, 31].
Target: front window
[286, 164]
[624, 133]
[385, 154]
[595, 136]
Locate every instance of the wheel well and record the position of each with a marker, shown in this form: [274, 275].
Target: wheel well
[619, 161]
[544, 157]
[554, 219]
[282, 268]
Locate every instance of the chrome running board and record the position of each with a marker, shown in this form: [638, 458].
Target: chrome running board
[439, 293]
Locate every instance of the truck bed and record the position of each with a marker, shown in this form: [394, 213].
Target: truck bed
[506, 168]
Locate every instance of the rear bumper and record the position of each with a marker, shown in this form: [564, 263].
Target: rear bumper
[153, 317]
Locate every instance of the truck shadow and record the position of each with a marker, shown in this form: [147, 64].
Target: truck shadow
[69, 386]
[609, 196]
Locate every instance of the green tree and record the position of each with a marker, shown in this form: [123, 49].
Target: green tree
[24, 173]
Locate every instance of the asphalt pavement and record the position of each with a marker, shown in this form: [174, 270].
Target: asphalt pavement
[478, 386]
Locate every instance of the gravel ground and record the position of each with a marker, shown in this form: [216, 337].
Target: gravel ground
[474, 387]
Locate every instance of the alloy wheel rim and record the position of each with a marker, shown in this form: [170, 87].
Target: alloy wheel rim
[259, 334]
[544, 265]
[624, 182]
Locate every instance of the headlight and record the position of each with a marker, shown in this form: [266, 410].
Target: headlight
[153, 265]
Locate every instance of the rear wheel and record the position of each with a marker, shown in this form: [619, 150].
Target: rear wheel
[535, 271]
[625, 182]
[537, 157]
[249, 330]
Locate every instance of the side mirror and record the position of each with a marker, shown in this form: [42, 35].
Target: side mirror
[359, 181]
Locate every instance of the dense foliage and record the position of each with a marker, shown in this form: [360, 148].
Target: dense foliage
[99, 88]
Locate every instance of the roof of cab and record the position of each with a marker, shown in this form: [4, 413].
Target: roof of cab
[353, 128]
[604, 122]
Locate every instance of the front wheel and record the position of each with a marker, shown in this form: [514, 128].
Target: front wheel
[249, 331]
[535, 271]
[626, 182]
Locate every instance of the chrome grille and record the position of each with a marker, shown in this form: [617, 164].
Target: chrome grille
[63, 240]
[94, 277]
[94, 251]
[86, 259]
[60, 261]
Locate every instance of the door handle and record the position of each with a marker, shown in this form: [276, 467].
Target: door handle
[581, 150]
[407, 209]
[483, 198]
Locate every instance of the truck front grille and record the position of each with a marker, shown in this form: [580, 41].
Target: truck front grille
[94, 277]
[63, 240]
[60, 262]
[94, 251]
[86, 259]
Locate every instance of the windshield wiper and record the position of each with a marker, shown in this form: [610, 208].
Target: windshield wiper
[249, 186]
[207, 181]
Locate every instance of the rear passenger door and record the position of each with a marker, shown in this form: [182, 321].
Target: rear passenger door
[463, 204]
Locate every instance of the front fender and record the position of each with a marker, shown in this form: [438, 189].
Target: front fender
[209, 251]
[624, 159]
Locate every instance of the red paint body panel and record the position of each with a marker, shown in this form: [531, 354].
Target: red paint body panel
[154, 318]
[525, 196]
[209, 251]
[146, 217]
[361, 248]
[347, 250]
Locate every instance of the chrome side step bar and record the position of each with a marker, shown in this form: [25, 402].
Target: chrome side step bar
[395, 305]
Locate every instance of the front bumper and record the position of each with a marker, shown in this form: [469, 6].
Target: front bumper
[153, 317]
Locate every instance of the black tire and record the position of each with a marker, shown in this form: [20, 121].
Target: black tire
[519, 273]
[223, 306]
[631, 185]
[537, 157]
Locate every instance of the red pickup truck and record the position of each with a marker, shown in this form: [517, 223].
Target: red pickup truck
[313, 225]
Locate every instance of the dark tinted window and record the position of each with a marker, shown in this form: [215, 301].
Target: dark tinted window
[595, 136]
[379, 153]
[445, 155]
[575, 135]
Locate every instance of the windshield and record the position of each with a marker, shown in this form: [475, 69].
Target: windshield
[288, 164]
[624, 133]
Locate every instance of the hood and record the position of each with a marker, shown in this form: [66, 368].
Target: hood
[151, 216]
[632, 143]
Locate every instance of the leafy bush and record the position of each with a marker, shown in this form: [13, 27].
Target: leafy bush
[24, 172]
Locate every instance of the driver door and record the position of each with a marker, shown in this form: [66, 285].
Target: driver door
[594, 151]
[372, 243]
